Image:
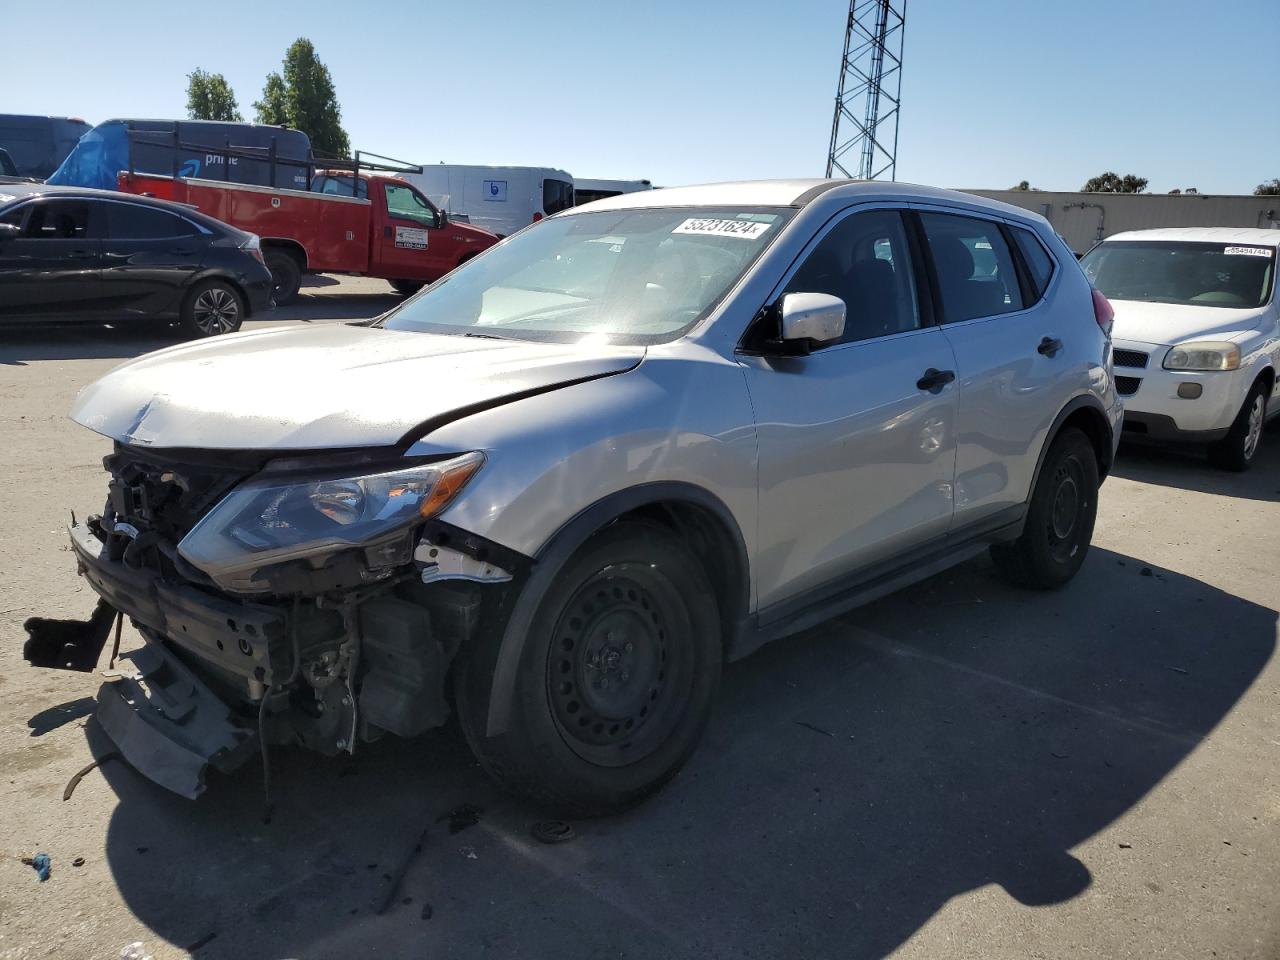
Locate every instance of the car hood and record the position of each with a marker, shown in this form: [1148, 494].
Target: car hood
[325, 387]
[1169, 323]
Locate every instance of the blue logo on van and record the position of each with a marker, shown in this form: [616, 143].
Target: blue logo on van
[495, 190]
[190, 168]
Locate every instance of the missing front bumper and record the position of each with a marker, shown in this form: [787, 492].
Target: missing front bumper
[168, 724]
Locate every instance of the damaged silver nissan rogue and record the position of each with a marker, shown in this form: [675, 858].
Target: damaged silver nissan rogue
[557, 490]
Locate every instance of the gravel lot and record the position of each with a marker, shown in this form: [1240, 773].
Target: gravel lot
[959, 770]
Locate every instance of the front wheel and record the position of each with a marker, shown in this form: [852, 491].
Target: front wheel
[1060, 517]
[212, 307]
[616, 679]
[1239, 448]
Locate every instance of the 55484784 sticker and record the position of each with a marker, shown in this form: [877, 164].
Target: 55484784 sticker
[715, 227]
[1249, 251]
[411, 238]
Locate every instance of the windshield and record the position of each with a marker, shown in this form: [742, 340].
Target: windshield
[1193, 274]
[632, 276]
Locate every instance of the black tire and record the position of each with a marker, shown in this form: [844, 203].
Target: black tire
[210, 308]
[1239, 448]
[406, 288]
[632, 608]
[1060, 517]
[286, 275]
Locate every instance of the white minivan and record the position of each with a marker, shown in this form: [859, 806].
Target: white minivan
[500, 199]
[1196, 339]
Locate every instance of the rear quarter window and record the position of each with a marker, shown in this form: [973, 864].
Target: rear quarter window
[1037, 259]
[128, 221]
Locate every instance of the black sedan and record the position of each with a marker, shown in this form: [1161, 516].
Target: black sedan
[68, 253]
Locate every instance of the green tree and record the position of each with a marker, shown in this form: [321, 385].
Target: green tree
[209, 97]
[1114, 183]
[274, 105]
[1022, 185]
[304, 98]
[1269, 188]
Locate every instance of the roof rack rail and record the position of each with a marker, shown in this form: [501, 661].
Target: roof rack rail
[270, 155]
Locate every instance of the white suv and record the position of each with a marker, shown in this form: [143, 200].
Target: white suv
[1196, 336]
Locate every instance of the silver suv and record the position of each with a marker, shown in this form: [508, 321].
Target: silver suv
[576, 476]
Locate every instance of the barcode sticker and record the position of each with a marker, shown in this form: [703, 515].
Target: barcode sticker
[709, 227]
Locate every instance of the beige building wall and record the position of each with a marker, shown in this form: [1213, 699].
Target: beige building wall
[1083, 219]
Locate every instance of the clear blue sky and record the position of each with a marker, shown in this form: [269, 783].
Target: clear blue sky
[1186, 94]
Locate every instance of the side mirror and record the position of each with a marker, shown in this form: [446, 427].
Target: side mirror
[811, 318]
[8, 232]
[442, 218]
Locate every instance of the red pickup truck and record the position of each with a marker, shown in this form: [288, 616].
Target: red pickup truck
[389, 230]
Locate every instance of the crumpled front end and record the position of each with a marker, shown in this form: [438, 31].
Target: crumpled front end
[323, 651]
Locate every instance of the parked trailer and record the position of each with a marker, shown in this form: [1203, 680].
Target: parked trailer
[501, 199]
[210, 149]
[1082, 219]
[36, 145]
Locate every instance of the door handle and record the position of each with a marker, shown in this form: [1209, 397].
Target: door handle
[386, 231]
[182, 251]
[934, 380]
[1049, 346]
[81, 255]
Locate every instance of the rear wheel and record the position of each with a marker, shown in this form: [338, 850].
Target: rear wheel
[1060, 517]
[1239, 448]
[211, 308]
[616, 679]
[406, 288]
[286, 275]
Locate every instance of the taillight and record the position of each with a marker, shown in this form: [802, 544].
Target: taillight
[1103, 312]
[253, 247]
[537, 215]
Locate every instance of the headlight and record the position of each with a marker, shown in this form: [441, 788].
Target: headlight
[1205, 355]
[271, 521]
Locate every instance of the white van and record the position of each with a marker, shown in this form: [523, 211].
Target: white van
[500, 199]
[586, 191]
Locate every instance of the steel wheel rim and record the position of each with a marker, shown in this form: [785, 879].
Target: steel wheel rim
[1253, 435]
[618, 677]
[216, 311]
[1066, 510]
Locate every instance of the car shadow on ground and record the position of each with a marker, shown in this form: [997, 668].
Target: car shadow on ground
[1187, 468]
[854, 779]
[21, 344]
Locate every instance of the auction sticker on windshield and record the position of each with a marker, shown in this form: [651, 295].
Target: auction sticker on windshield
[1248, 251]
[708, 227]
[413, 238]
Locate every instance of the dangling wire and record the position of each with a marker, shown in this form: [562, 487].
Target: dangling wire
[262, 711]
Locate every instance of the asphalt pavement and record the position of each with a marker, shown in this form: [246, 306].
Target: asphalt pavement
[960, 770]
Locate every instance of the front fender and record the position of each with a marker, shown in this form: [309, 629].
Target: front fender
[561, 465]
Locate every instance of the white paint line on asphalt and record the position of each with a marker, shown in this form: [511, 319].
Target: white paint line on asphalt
[885, 645]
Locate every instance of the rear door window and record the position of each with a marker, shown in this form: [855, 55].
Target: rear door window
[866, 262]
[131, 221]
[1037, 259]
[974, 266]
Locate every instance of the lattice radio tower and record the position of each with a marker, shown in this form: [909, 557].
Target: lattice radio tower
[868, 99]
